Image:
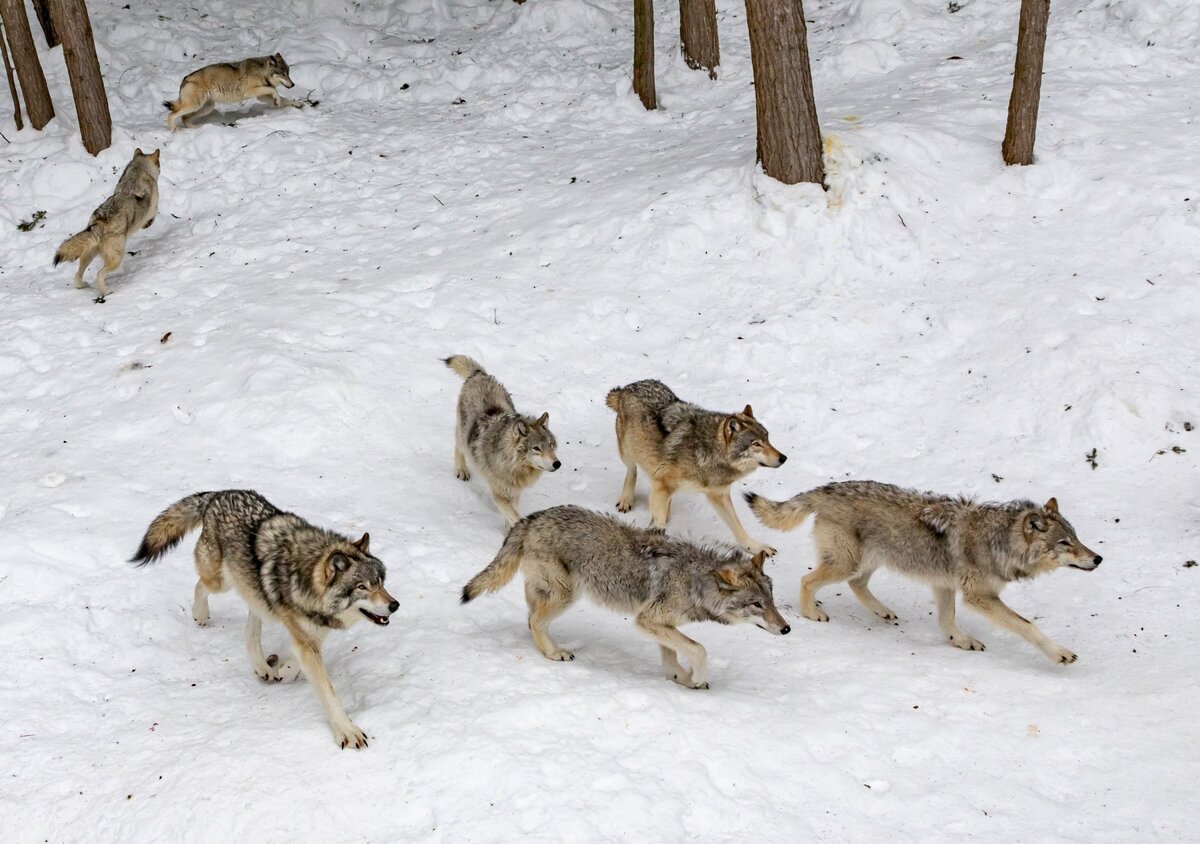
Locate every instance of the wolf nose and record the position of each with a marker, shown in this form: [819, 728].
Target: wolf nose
[393, 606]
[1096, 560]
[782, 459]
[557, 463]
[786, 630]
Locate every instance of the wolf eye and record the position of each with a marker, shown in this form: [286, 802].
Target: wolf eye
[537, 449]
[362, 587]
[757, 605]
[757, 444]
[1066, 543]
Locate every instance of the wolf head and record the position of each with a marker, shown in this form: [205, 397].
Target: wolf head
[149, 159]
[278, 71]
[747, 443]
[745, 594]
[536, 444]
[1051, 541]
[353, 584]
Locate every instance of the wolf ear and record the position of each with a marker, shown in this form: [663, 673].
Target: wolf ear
[278, 57]
[542, 420]
[732, 426]
[1051, 506]
[364, 543]
[749, 411]
[521, 429]
[1035, 522]
[728, 578]
[334, 564]
[137, 153]
[758, 559]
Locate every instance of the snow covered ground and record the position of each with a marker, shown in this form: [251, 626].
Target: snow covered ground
[478, 178]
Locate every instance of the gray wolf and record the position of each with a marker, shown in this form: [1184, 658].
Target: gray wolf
[309, 579]
[132, 207]
[683, 447]
[509, 449]
[662, 581]
[230, 82]
[953, 544]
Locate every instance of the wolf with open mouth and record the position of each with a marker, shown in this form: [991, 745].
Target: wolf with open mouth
[309, 579]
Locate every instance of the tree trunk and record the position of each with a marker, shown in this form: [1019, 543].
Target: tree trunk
[789, 137]
[42, 7]
[87, 85]
[698, 39]
[643, 53]
[25, 59]
[12, 82]
[1021, 131]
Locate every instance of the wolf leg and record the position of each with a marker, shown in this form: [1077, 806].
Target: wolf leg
[208, 568]
[625, 504]
[506, 503]
[1000, 614]
[546, 602]
[460, 458]
[112, 253]
[839, 555]
[944, 598]
[660, 503]
[858, 585]
[258, 662]
[190, 119]
[723, 504]
[670, 638]
[84, 260]
[307, 649]
[672, 670]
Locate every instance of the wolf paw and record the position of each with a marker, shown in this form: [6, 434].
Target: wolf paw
[201, 618]
[463, 475]
[283, 672]
[100, 300]
[1062, 656]
[817, 614]
[624, 506]
[560, 655]
[348, 735]
[886, 614]
[967, 643]
[755, 547]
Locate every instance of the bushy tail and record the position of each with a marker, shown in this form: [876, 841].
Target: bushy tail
[76, 245]
[613, 399]
[781, 515]
[500, 570]
[170, 526]
[464, 366]
[171, 105]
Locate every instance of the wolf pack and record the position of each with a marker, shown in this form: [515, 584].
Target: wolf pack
[313, 581]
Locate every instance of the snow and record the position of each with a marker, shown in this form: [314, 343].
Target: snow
[936, 320]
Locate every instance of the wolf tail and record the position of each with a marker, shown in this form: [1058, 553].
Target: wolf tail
[464, 366]
[781, 515]
[613, 399]
[74, 247]
[500, 570]
[171, 105]
[170, 526]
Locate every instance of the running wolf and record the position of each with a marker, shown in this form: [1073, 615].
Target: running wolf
[683, 447]
[953, 544]
[230, 82]
[510, 450]
[309, 579]
[132, 206]
[662, 581]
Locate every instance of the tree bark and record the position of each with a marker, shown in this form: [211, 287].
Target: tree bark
[12, 82]
[25, 59]
[698, 40]
[42, 7]
[1021, 131]
[789, 137]
[87, 85]
[643, 53]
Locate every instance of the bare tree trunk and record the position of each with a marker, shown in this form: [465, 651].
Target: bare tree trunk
[789, 137]
[87, 85]
[698, 39]
[1021, 131]
[643, 53]
[12, 83]
[25, 59]
[42, 7]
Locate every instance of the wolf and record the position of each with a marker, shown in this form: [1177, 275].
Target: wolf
[132, 206]
[662, 581]
[510, 449]
[953, 544]
[230, 82]
[684, 447]
[309, 579]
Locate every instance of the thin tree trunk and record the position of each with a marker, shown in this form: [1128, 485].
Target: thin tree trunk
[25, 59]
[698, 39]
[1021, 131]
[87, 85]
[643, 53]
[12, 82]
[42, 7]
[789, 137]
